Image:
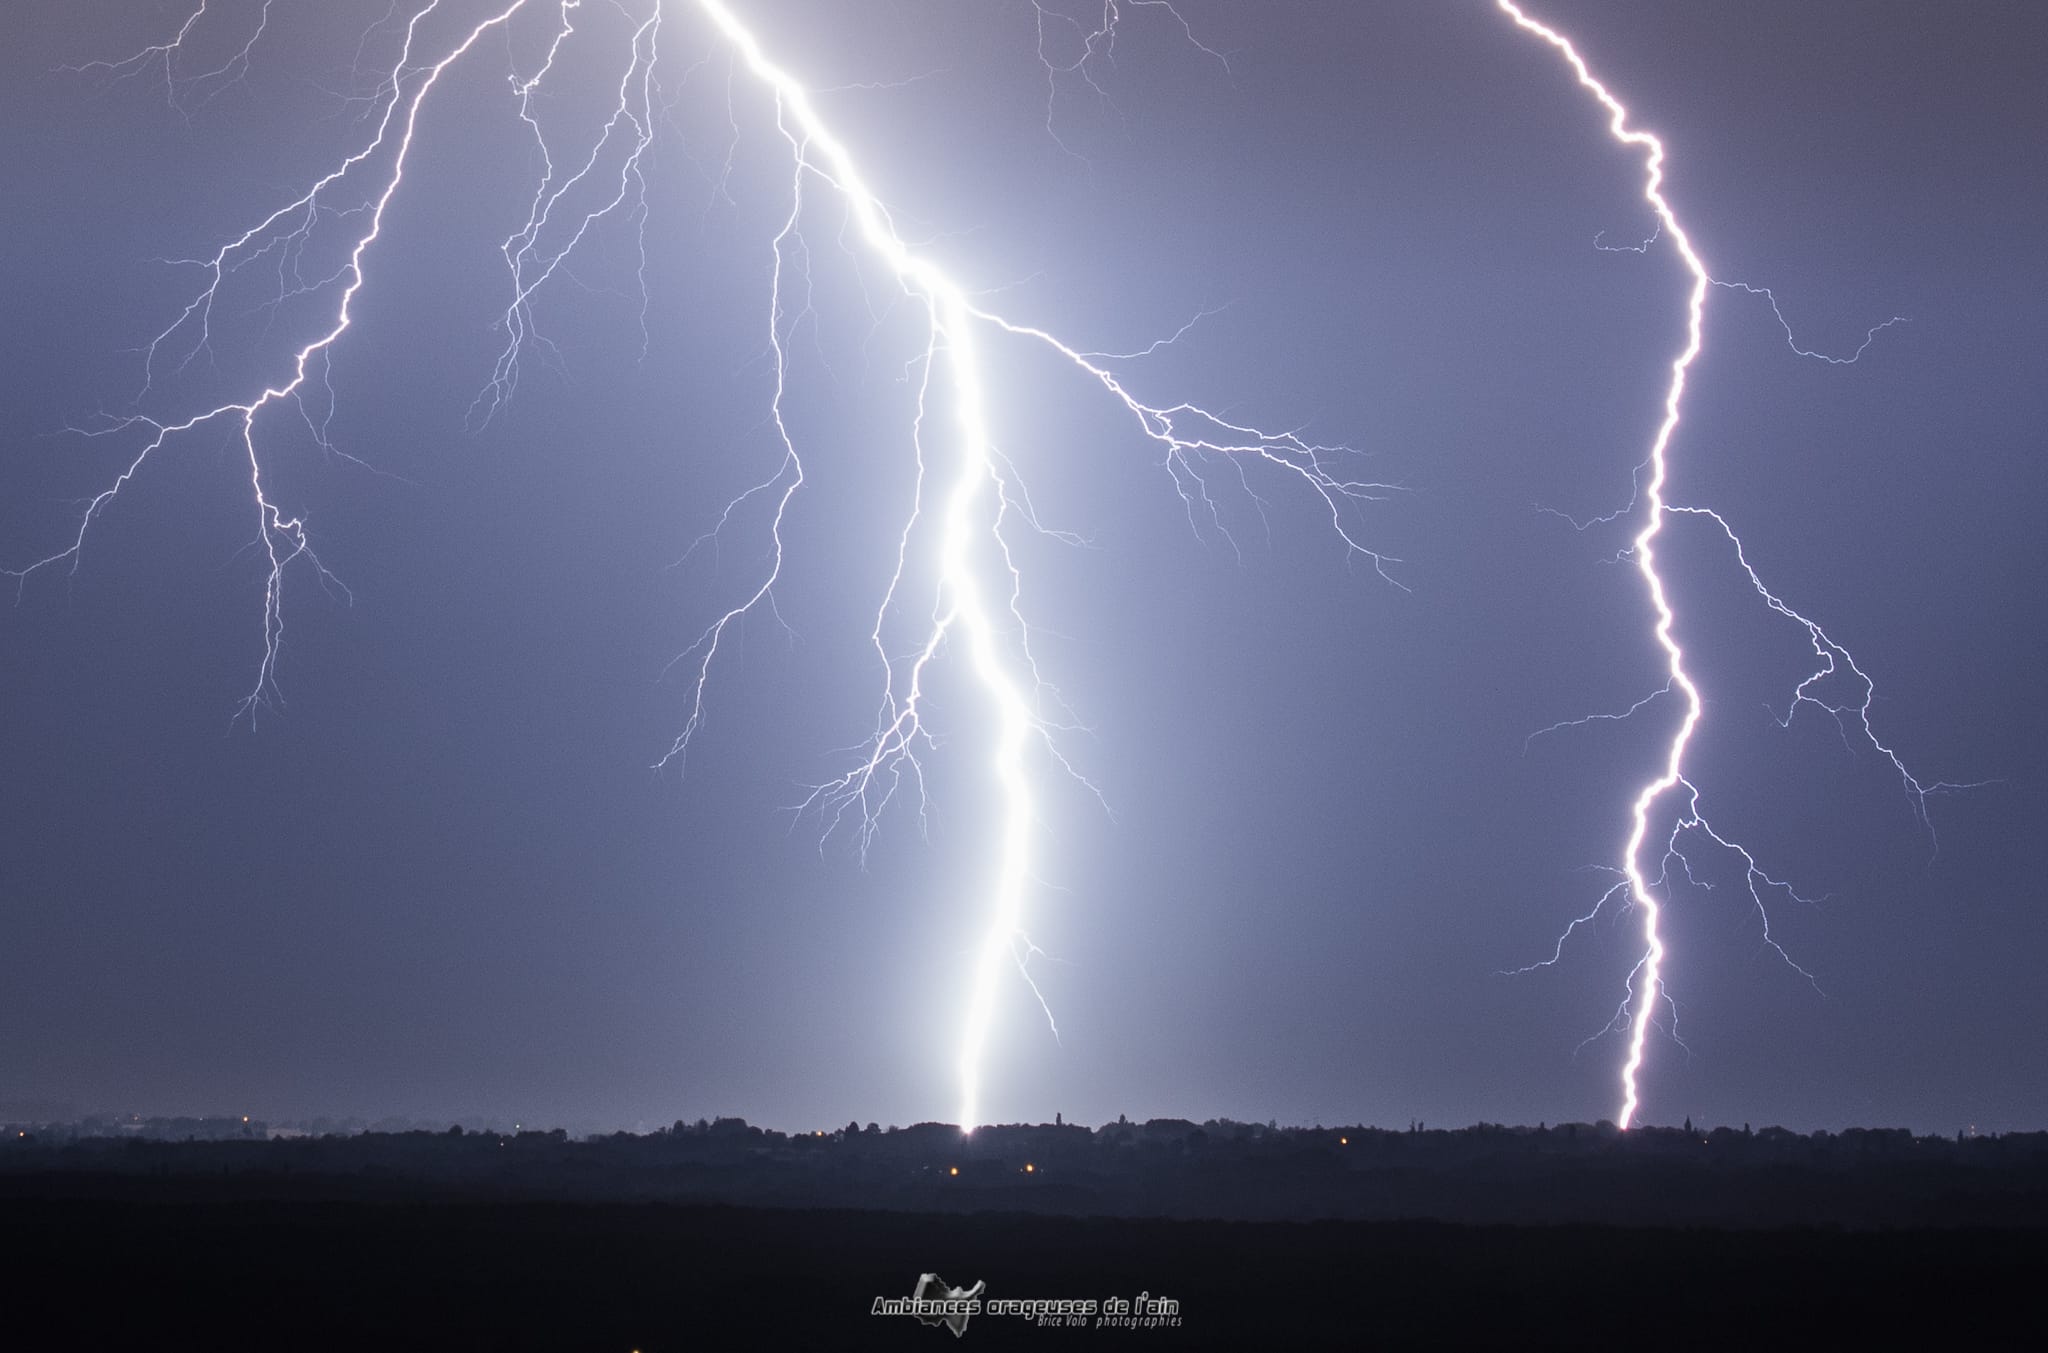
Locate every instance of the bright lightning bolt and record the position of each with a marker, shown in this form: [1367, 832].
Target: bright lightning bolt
[977, 495]
[1645, 988]
[969, 497]
[972, 515]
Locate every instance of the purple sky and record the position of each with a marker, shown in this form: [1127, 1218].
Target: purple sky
[441, 881]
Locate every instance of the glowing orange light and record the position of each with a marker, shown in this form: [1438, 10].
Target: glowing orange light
[1343, 1141]
[954, 1170]
[1029, 1168]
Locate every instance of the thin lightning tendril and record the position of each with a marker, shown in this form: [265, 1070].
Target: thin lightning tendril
[282, 538]
[179, 89]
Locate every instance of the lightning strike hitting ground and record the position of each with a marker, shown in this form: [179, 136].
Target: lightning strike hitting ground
[319, 247]
[1645, 987]
[977, 494]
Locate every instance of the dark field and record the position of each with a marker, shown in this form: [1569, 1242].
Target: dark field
[103, 1262]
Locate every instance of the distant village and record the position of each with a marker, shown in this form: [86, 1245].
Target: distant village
[1165, 1167]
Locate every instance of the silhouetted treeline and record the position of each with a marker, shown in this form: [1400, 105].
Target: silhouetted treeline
[1165, 1168]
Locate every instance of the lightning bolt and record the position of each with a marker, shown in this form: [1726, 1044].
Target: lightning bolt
[969, 497]
[967, 489]
[1645, 987]
[287, 233]
[975, 507]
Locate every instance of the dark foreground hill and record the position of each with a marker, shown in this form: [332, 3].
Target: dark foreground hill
[176, 1264]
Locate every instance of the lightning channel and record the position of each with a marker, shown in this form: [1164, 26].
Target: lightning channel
[980, 496]
[1637, 888]
[969, 500]
[281, 537]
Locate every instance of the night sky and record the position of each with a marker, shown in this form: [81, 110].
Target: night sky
[440, 879]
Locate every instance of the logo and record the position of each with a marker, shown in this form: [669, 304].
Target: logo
[934, 1302]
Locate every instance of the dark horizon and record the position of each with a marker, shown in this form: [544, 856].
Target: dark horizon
[68, 1124]
[1656, 1178]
